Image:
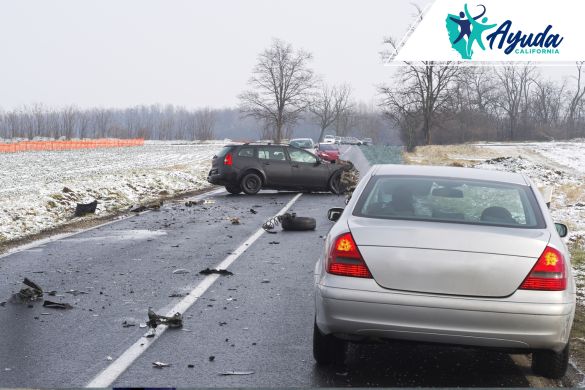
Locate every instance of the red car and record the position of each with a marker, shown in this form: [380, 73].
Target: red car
[328, 152]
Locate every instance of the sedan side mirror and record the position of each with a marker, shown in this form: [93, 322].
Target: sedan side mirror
[334, 214]
[563, 230]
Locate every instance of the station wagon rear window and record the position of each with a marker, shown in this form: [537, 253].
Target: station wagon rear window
[450, 200]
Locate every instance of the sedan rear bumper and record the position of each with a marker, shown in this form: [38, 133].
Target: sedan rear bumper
[416, 317]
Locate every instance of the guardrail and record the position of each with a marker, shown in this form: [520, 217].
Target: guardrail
[27, 146]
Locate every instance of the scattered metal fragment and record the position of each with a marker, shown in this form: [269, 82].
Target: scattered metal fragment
[274, 243]
[154, 320]
[235, 220]
[265, 281]
[142, 325]
[52, 293]
[57, 305]
[83, 209]
[209, 271]
[109, 358]
[236, 373]
[211, 358]
[209, 201]
[160, 365]
[177, 295]
[253, 211]
[181, 271]
[128, 324]
[191, 365]
[191, 203]
[28, 294]
[76, 292]
[147, 206]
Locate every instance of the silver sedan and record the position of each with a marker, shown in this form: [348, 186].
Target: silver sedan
[446, 255]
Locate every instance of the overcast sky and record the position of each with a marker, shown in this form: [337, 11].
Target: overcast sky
[119, 53]
[194, 53]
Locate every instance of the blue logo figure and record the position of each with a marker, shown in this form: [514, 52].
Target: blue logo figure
[460, 28]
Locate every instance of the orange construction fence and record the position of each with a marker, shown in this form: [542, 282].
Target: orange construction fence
[26, 146]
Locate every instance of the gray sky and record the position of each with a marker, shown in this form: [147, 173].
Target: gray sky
[117, 53]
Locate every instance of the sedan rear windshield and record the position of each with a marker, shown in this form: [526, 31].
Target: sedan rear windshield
[435, 199]
[327, 147]
[303, 144]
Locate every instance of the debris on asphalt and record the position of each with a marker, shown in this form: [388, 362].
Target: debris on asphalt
[142, 325]
[160, 365]
[75, 292]
[289, 221]
[222, 323]
[265, 281]
[211, 358]
[180, 271]
[28, 294]
[109, 358]
[88, 208]
[154, 320]
[57, 305]
[191, 203]
[2, 304]
[191, 365]
[274, 243]
[235, 220]
[209, 201]
[209, 271]
[128, 324]
[147, 206]
[253, 211]
[177, 295]
[52, 293]
[236, 373]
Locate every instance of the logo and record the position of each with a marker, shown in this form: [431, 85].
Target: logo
[466, 32]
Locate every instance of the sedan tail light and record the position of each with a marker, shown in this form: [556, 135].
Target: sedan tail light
[345, 258]
[228, 160]
[548, 274]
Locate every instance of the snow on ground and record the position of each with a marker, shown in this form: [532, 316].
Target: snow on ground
[39, 190]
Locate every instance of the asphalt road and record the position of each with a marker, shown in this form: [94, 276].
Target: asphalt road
[258, 320]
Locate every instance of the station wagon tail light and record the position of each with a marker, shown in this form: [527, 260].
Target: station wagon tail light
[345, 258]
[228, 160]
[548, 274]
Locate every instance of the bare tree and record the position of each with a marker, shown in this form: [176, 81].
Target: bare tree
[68, 121]
[576, 100]
[205, 122]
[280, 86]
[328, 104]
[513, 91]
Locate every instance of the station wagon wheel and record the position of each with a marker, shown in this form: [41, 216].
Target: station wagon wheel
[251, 183]
[233, 189]
[335, 183]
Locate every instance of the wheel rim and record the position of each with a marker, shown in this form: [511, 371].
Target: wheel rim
[252, 184]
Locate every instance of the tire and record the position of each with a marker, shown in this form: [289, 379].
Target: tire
[251, 183]
[335, 185]
[233, 189]
[551, 364]
[299, 224]
[327, 349]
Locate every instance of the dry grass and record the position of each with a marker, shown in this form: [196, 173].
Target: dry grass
[574, 192]
[453, 155]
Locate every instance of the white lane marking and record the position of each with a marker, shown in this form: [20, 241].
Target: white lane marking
[57, 237]
[121, 364]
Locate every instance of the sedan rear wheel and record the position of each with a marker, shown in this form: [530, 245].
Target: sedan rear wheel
[251, 183]
[551, 364]
[327, 349]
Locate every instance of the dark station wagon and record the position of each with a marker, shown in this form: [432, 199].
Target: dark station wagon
[252, 167]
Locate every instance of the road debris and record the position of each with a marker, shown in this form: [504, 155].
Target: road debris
[253, 211]
[57, 305]
[109, 358]
[274, 243]
[154, 320]
[88, 208]
[236, 373]
[209, 271]
[209, 201]
[265, 281]
[177, 295]
[76, 292]
[128, 324]
[211, 358]
[28, 294]
[289, 221]
[160, 365]
[147, 206]
[180, 271]
[191, 365]
[191, 203]
[235, 220]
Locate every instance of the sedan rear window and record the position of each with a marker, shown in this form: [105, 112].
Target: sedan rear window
[450, 200]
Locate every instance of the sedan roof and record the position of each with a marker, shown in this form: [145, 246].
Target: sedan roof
[451, 172]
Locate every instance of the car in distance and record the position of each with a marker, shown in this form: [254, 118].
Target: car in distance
[303, 143]
[367, 141]
[252, 167]
[328, 152]
[447, 255]
[329, 139]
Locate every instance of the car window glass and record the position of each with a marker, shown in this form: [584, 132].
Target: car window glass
[304, 144]
[271, 153]
[450, 200]
[246, 152]
[297, 155]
